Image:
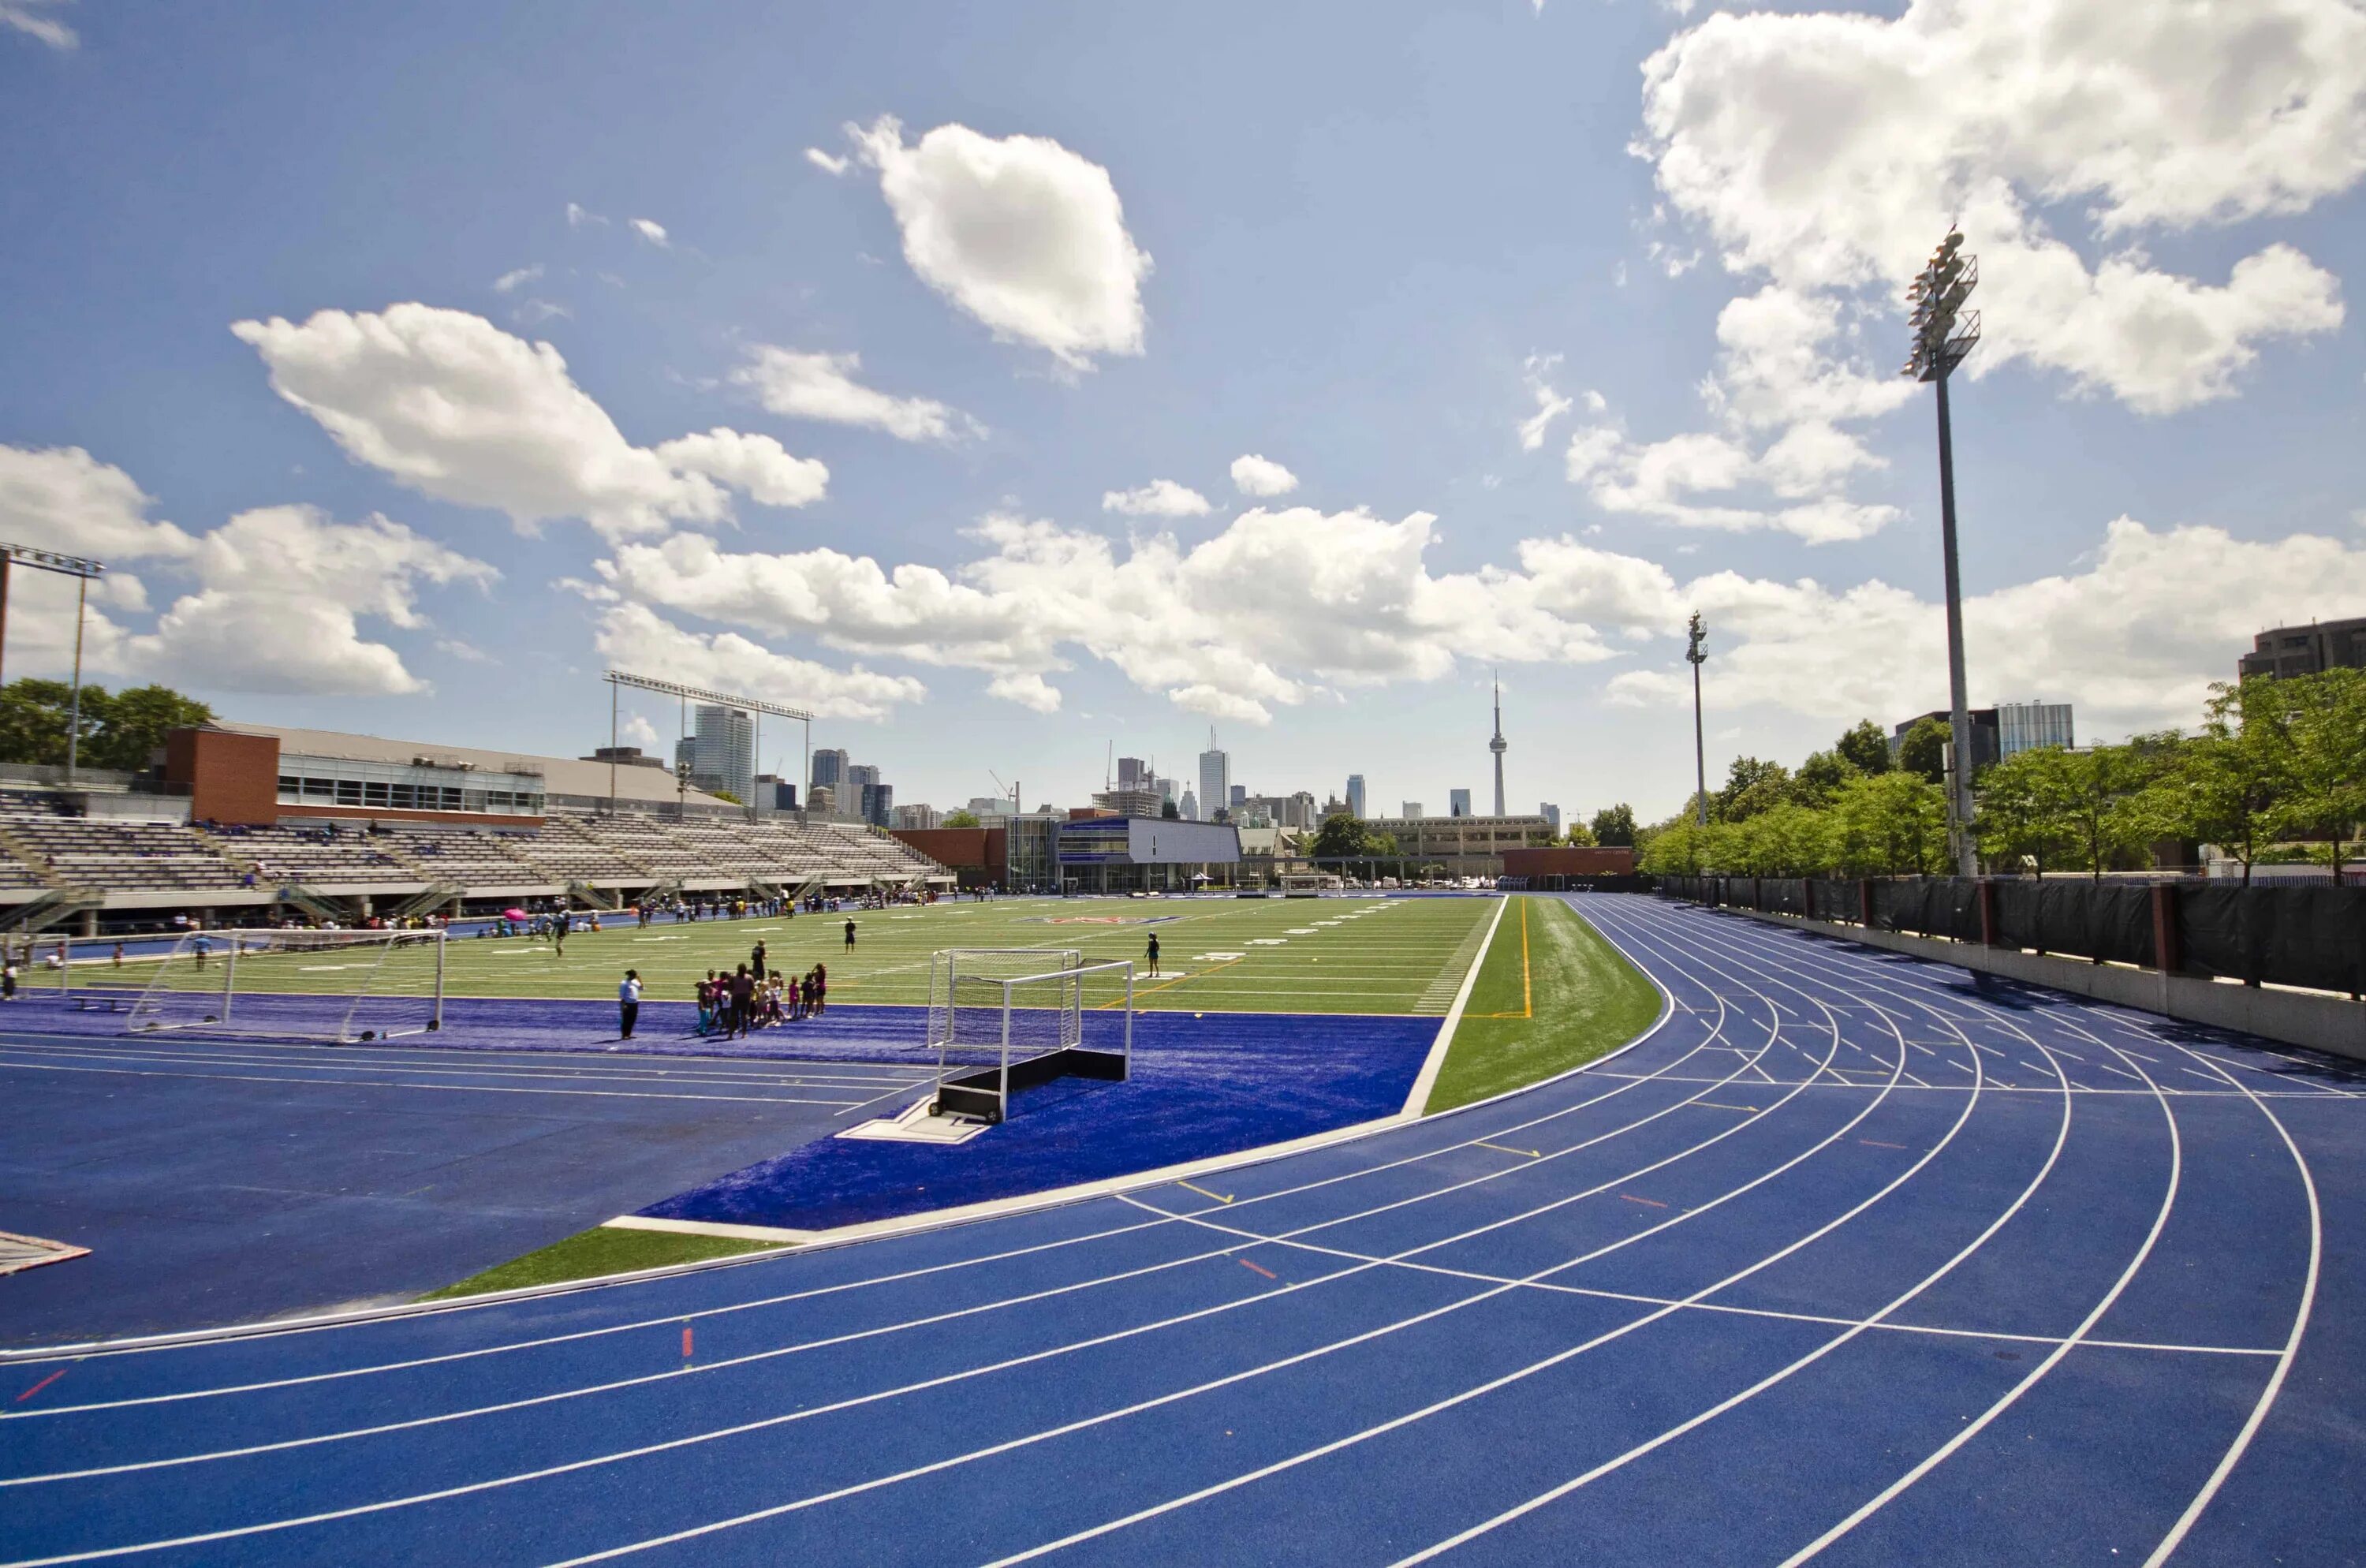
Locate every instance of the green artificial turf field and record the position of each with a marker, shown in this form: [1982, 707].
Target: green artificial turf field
[1333, 955]
[1552, 995]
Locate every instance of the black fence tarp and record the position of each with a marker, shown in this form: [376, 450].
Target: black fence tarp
[2313, 937]
[2285, 936]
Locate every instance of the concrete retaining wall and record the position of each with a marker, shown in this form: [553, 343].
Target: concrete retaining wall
[2331, 1024]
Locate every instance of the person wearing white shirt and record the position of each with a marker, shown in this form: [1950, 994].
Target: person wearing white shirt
[628, 1003]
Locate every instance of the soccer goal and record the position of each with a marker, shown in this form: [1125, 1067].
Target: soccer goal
[339, 986]
[1001, 1020]
[1309, 884]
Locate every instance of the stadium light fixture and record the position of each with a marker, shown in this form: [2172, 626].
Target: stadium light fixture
[1696, 655]
[1943, 332]
[617, 679]
[14, 556]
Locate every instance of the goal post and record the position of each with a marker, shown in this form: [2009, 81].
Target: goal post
[1002, 1020]
[342, 987]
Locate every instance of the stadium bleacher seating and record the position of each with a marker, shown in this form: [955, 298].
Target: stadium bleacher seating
[42, 846]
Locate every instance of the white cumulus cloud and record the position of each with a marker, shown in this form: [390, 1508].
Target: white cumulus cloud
[651, 230]
[1020, 232]
[822, 387]
[450, 405]
[1254, 475]
[516, 278]
[2127, 641]
[1551, 404]
[1826, 151]
[828, 164]
[35, 18]
[1159, 497]
[62, 499]
[637, 637]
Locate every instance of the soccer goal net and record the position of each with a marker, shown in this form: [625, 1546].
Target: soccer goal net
[1001, 1020]
[339, 986]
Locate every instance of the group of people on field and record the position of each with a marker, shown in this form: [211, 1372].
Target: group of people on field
[754, 997]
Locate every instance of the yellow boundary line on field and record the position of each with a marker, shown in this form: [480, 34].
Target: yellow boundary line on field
[1528, 991]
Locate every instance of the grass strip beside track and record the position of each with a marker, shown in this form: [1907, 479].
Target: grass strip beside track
[589, 1254]
[1551, 996]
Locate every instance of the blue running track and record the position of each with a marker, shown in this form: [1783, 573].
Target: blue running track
[1851, 1259]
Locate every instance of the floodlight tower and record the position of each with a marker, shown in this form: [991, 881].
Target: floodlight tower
[88, 572]
[1943, 334]
[1696, 655]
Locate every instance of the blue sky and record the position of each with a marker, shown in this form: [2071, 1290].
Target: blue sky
[1078, 250]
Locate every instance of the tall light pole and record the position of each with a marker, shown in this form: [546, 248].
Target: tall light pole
[1943, 334]
[1696, 655]
[64, 566]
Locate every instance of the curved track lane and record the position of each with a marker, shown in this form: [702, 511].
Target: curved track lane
[1853, 1259]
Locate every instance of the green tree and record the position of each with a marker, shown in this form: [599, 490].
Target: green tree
[120, 730]
[1753, 785]
[1864, 747]
[1678, 848]
[1615, 825]
[1822, 776]
[33, 722]
[132, 724]
[2231, 785]
[1924, 751]
[960, 819]
[1343, 837]
[2019, 811]
[2322, 721]
[1581, 836]
[1893, 824]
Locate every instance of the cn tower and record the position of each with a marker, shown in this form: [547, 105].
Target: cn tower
[1499, 746]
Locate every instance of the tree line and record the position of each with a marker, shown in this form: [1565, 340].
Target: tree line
[2275, 772]
[120, 730]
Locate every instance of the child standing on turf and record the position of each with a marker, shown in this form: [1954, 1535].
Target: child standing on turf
[1153, 956]
[821, 989]
[628, 1004]
[706, 1004]
[755, 960]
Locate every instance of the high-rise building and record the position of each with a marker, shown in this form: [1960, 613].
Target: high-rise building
[1356, 794]
[1190, 807]
[2306, 650]
[1498, 746]
[1239, 798]
[919, 816]
[1410, 809]
[775, 793]
[1215, 778]
[1128, 801]
[1550, 813]
[822, 800]
[857, 774]
[829, 768]
[876, 804]
[1131, 773]
[2024, 726]
[1458, 803]
[723, 748]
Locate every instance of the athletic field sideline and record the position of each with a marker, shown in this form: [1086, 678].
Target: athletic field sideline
[1333, 955]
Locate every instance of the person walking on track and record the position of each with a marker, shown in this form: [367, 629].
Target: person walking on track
[628, 1004]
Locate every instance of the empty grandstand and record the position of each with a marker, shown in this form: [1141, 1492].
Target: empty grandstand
[232, 827]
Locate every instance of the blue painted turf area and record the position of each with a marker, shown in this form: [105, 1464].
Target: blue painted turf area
[1855, 1258]
[1202, 1085]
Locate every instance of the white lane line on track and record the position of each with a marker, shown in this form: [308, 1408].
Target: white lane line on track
[617, 1384]
[1398, 1422]
[2235, 1451]
[669, 1318]
[1102, 1418]
[382, 1505]
[2071, 1010]
[388, 1083]
[790, 1077]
